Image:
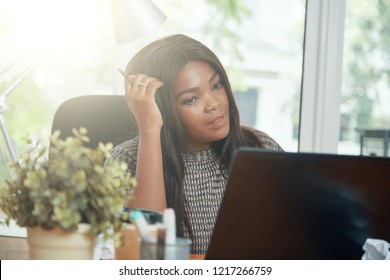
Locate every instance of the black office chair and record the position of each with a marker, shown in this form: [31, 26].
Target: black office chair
[106, 117]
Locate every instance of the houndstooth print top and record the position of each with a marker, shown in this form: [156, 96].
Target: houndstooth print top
[204, 186]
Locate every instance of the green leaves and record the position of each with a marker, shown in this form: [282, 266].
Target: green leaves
[67, 186]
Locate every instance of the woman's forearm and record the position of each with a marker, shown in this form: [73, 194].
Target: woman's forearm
[149, 192]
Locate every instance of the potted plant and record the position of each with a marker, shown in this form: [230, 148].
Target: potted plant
[67, 189]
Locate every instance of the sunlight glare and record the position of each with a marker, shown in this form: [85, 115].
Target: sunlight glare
[48, 20]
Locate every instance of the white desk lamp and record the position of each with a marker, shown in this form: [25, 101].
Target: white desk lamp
[134, 18]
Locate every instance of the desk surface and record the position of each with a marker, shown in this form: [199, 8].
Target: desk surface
[13, 248]
[16, 248]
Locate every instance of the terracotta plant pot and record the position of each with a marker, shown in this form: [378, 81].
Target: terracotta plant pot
[56, 244]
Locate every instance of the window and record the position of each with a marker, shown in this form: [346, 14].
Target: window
[247, 105]
[345, 85]
[260, 43]
[365, 110]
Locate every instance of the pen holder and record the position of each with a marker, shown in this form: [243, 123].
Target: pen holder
[178, 251]
[130, 248]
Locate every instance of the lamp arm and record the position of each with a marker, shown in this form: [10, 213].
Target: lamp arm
[7, 139]
[4, 107]
[20, 79]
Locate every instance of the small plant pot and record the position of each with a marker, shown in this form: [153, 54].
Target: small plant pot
[56, 244]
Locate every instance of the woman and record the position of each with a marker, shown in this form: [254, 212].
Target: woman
[188, 128]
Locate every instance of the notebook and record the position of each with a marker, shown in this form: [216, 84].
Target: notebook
[282, 205]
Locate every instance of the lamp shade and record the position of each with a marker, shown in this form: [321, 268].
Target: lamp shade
[134, 18]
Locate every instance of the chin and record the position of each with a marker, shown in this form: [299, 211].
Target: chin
[221, 135]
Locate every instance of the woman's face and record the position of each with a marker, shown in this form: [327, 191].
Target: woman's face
[202, 105]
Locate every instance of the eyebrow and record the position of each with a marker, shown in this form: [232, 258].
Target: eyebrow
[195, 88]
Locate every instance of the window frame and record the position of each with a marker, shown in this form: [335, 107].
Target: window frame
[322, 76]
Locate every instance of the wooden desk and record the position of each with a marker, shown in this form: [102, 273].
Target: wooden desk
[16, 248]
[13, 248]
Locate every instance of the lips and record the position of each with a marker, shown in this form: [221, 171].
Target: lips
[217, 121]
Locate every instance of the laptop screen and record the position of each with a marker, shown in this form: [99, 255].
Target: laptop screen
[280, 205]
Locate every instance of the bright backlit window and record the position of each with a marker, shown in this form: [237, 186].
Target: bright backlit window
[260, 43]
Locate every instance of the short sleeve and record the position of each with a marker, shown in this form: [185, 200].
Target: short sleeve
[126, 152]
[267, 142]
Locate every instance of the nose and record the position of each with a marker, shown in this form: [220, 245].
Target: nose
[212, 103]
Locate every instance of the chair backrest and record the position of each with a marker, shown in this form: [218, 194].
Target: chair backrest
[106, 117]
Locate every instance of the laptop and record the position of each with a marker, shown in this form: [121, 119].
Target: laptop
[282, 205]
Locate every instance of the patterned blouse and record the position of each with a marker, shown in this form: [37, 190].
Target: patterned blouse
[204, 186]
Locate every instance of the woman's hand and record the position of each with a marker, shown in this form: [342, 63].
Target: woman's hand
[140, 97]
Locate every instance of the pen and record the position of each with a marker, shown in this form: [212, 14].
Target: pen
[124, 74]
[138, 218]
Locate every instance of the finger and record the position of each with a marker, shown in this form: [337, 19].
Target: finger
[148, 86]
[131, 89]
[137, 90]
[127, 85]
[128, 82]
[153, 86]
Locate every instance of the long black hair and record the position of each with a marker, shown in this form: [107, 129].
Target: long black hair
[163, 59]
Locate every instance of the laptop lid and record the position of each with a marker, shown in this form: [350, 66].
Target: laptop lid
[281, 205]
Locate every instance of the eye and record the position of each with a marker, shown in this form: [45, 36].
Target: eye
[190, 101]
[218, 85]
